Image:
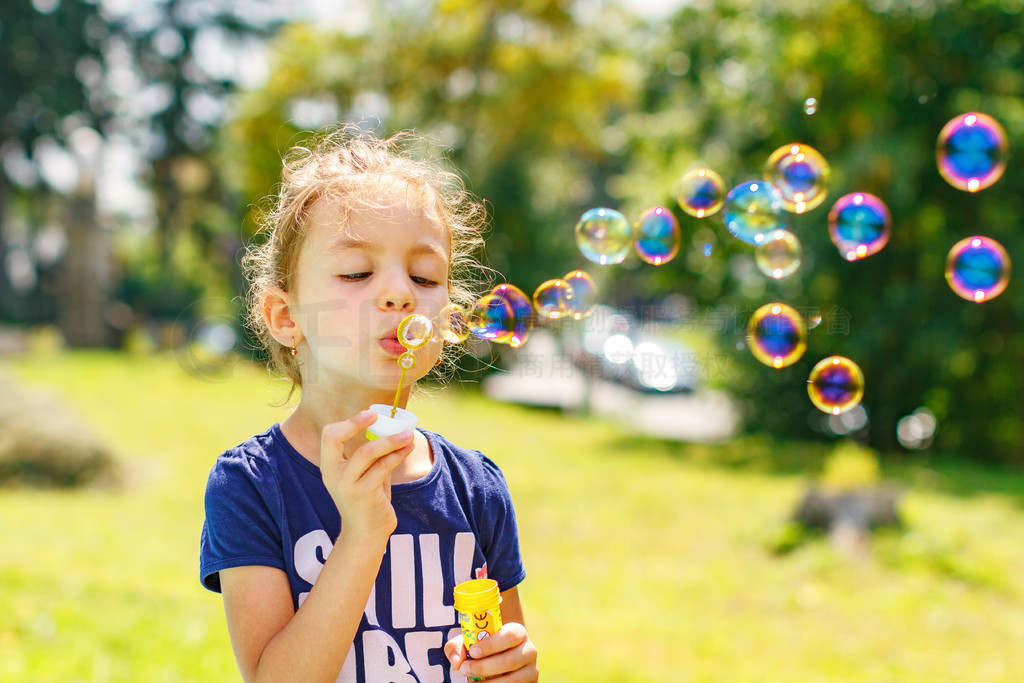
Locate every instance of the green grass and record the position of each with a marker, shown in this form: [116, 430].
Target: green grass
[647, 560]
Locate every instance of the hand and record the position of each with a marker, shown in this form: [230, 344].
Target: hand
[509, 655]
[359, 480]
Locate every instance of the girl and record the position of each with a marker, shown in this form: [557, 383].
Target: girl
[337, 556]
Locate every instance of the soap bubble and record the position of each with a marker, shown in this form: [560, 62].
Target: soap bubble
[516, 330]
[978, 268]
[778, 256]
[700, 192]
[656, 236]
[801, 175]
[859, 224]
[971, 151]
[453, 323]
[582, 294]
[836, 384]
[752, 210]
[551, 299]
[415, 331]
[491, 318]
[810, 106]
[776, 335]
[604, 236]
[708, 249]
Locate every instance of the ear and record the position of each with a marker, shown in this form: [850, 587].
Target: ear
[278, 313]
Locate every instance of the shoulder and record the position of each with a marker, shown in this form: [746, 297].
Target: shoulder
[251, 465]
[252, 458]
[467, 463]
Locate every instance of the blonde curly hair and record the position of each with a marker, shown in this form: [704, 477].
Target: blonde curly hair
[354, 167]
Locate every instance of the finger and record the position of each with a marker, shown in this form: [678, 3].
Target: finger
[373, 461]
[510, 635]
[455, 652]
[334, 435]
[516, 664]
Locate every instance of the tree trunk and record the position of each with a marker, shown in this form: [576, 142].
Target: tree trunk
[86, 277]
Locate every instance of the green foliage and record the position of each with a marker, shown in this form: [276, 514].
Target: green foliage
[885, 83]
[548, 113]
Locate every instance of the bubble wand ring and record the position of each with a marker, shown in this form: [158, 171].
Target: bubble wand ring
[414, 332]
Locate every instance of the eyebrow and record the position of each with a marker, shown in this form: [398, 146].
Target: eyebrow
[349, 242]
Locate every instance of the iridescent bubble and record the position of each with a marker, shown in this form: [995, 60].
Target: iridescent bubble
[700, 192]
[971, 151]
[583, 294]
[490, 318]
[551, 299]
[835, 385]
[859, 224]
[707, 249]
[810, 106]
[776, 335]
[801, 175]
[779, 255]
[415, 331]
[453, 323]
[604, 236]
[978, 268]
[656, 236]
[517, 328]
[752, 210]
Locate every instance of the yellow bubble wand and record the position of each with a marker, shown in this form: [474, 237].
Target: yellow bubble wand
[414, 332]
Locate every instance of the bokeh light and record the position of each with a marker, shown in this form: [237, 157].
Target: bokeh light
[752, 210]
[582, 295]
[656, 236]
[779, 255]
[978, 268]
[971, 151]
[835, 385]
[917, 430]
[604, 236]
[859, 224]
[700, 192]
[776, 335]
[801, 175]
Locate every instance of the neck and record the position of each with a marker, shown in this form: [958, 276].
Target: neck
[318, 408]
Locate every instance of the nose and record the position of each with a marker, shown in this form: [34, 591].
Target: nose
[396, 292]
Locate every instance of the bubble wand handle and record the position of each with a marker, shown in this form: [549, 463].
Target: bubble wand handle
[405, 361]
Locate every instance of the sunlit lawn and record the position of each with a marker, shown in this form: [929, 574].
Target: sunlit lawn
[647, 560]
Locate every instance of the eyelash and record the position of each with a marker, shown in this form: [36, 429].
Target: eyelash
[356, 277]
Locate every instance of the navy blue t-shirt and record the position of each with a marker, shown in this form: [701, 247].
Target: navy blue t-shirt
[267, 505]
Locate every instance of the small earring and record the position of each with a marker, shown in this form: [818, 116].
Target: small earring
[294, 351]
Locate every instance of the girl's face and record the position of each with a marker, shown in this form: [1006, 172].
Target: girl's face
[356, 278]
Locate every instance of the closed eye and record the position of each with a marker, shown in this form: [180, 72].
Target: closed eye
[353, 277]
[423, 281]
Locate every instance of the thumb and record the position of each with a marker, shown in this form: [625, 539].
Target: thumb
[334, 435]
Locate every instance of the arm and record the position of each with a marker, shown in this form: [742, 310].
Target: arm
[510, 651]
[272, 641]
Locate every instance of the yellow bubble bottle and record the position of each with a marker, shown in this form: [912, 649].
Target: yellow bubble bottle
[478, 602]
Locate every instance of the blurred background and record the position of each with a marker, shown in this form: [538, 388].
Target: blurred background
[138, 140]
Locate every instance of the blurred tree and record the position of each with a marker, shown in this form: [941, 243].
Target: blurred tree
[48, 146]
[729, 85]
[521, 93]
[178, 61]
[552, 107]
